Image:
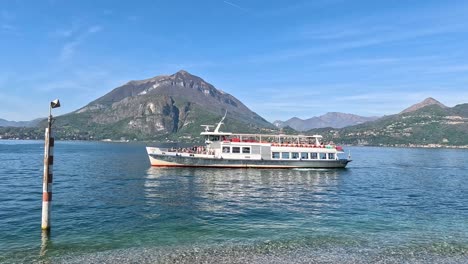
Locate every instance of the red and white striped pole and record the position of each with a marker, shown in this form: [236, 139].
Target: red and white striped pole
[48, 172]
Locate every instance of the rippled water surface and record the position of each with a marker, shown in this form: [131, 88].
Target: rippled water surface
[390, 205]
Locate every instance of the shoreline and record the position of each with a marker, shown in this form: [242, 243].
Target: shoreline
[426, 146]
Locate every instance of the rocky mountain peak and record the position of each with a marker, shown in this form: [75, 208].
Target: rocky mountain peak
[186, 76]
[168, 104]
[183, 72]
[424, 103]
[180, 75]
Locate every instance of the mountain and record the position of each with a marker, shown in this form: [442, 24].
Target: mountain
[32, 123]
[331, 119]
[424, 103]
[172, 108]
[429, 123]
[166, 106]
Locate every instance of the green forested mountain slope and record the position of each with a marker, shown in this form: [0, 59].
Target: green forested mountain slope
[429, 125]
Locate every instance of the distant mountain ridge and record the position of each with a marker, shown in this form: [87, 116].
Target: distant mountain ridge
[32, 123]
[172, 108]
[331, 119]
[428, 123]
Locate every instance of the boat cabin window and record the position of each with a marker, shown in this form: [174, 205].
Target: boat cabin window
[304, 155]
[275, 155]
[226, 149]
[313, 156]
[331, 156]
[285, 155]
[295, 155]
[214, 138]
[235, 149]
[246, 150]
[323, 155]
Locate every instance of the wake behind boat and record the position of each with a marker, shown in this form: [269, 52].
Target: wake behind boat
[229, 150]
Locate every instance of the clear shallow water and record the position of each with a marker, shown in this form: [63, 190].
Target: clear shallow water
[391, 205]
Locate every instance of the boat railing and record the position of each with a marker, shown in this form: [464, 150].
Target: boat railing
[277, 144]
[191, 150]
[339, 148]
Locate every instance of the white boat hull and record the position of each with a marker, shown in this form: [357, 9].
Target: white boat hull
[202, 160]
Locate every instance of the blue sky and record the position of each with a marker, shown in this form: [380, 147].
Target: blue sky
[281, 58]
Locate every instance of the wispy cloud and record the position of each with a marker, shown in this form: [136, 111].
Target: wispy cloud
[74, 86]
[67, 32]
[68, 50]
[71, 80]
[362, 62]
[385, 101]
[7, 24]
[380, 61]
[293, 7]
[75, 30]
[64, 33]
[354, 43]
[333, 33]
[235, 5]
[455, 68]
[7, 27]
[94, 29]
[379, 32]
[77, 38]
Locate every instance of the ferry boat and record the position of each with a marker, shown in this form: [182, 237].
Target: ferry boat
[230, 150]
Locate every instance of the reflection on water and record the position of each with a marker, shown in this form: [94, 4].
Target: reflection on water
[237, 184]
[243, 200]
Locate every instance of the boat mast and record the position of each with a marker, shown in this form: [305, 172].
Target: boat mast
[220, 123]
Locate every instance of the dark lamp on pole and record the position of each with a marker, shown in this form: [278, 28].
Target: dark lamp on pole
[54, 104]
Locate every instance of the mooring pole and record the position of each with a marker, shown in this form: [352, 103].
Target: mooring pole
[47, 180]
[48, 165]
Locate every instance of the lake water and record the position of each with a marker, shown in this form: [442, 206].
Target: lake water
[391, 205]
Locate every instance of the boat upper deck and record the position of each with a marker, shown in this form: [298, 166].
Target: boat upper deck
[279, 140]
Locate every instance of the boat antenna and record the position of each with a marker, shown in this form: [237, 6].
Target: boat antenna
[207, 127]
[220, 123]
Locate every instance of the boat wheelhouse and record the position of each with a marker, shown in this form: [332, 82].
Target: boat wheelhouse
[231, 150]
